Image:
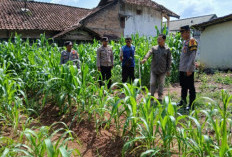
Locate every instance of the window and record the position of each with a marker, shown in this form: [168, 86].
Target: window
[122, 22]
[139, 12]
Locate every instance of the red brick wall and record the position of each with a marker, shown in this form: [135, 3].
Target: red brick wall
[106, 22]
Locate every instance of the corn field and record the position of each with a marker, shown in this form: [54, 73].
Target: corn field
[31, 78]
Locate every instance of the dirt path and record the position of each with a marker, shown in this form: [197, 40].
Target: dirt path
[175, 89]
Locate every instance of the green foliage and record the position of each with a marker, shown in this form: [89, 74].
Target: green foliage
[227, 79]
[40, 143]
[31, 78]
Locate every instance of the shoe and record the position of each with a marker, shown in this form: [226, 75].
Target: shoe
[160, 99]
[189, 107]
[181, 103]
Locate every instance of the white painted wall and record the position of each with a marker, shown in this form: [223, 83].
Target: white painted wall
[145, 23]
[216, 46]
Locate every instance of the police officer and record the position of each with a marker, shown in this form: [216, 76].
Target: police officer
[69, 55]
[187, 67]
[128, 62]
[160, 65]
[105, 61]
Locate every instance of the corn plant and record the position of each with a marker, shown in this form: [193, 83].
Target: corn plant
[41, 143]
[11, 103]
[31, 78]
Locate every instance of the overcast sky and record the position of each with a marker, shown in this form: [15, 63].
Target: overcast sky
[184, 8]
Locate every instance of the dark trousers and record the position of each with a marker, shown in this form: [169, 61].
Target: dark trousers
[128, 72]
[187, 84]
[105, 75]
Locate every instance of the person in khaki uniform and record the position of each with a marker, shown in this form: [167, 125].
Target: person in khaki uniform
[105, 61]
[69, 55]
[160, 66]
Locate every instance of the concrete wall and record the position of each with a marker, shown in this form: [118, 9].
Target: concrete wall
[108, 22]
[216, 46]
[197, 34]
[145, 23]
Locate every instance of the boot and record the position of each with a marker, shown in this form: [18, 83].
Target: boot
[190, 107]
[181, 103]
[160, 99]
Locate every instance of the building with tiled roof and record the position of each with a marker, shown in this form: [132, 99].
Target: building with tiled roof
[216, 47]
[37, 18]
[175, 25]
[112, 18]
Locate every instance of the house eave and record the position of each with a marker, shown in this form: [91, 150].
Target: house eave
[176, 16]
[204, 25]
[78, 27]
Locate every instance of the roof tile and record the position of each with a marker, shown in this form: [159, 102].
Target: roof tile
[41, 16]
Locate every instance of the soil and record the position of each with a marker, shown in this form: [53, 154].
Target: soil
[105, 142]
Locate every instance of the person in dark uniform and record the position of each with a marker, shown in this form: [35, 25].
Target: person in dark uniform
[105, 61]
[128, 62]
[187, 68]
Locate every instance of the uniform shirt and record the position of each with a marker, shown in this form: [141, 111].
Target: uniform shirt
[161, 59]
[188, 55]
[127, 52]
[105, 56]
[70, 56]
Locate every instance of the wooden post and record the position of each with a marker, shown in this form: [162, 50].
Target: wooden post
[168, 21]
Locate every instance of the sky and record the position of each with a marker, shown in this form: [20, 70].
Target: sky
[184, 8]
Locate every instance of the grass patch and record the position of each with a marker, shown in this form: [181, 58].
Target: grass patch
[223, 78]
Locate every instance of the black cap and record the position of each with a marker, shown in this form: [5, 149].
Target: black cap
[105, 39]
[68, 43]
[128, 38]
[184, 28]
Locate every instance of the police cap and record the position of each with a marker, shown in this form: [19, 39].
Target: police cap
[68, 43]
[105, 39]
[128, 38]
[184, 28]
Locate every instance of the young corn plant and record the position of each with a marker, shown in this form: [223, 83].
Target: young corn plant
[116, 114]
[30, 72]
[131, 92]
[43, 141]
[147, 132]
[11, 103]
